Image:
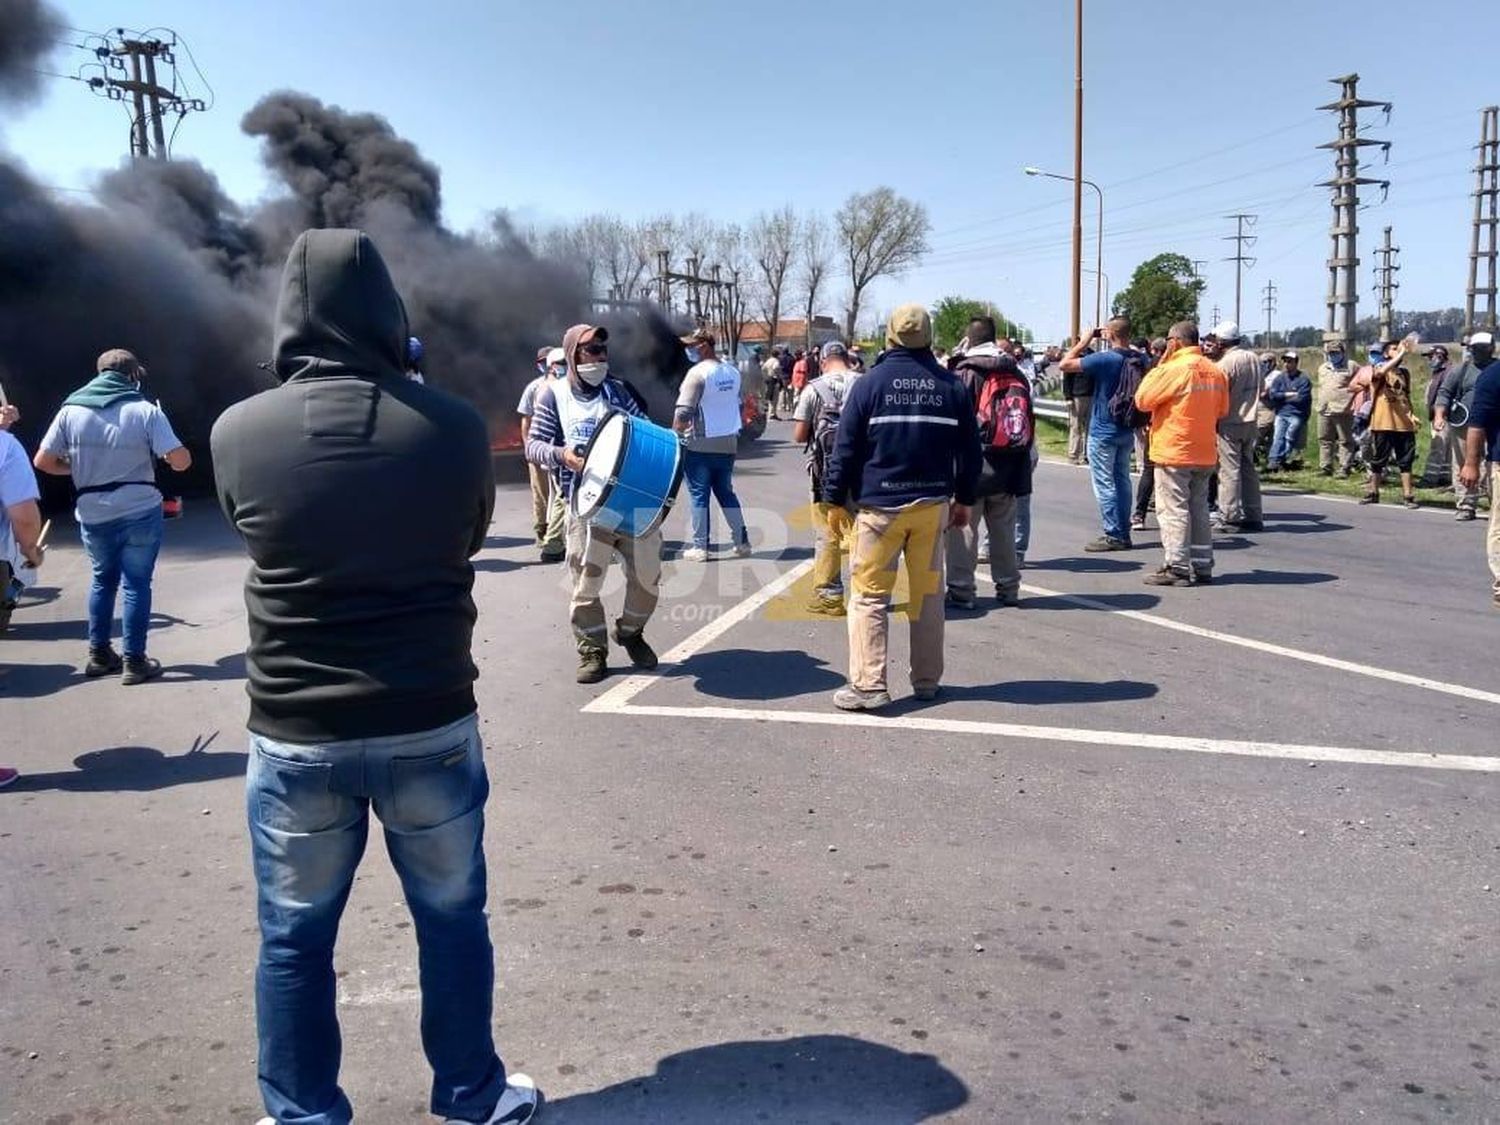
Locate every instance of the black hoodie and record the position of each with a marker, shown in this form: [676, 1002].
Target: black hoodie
[361, 496]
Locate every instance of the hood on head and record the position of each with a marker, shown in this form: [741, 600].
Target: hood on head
[579, 334]
[338, 312]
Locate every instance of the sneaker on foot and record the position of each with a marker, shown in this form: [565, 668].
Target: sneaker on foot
[103, 662]
[593, 665]
[1137, 523]
[7, 775]
[830, 605]
[1166, 576]
[553, 556]
[1106, 543]
[927, 694]
[1202, 577]
[742, 551]
[1007, 599]
[852, 699]
[1411, 502]
[1370, 498]
[958, 599]
[1464, 515]
[517, 1105]
[139, 669]
[641, 654]
[695, 554]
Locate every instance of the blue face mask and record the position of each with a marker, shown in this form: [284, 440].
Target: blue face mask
[694, 355]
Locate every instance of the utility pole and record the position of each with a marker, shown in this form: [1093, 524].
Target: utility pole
[1198, 264]
[1486, 217]
[1214, 319]
[1268, 303]
[1343, 292]
[1077, 309]
[1386, 284]
[1241, 263]
[149, 98]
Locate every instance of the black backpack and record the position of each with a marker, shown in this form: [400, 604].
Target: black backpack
[1122, 408]
[825, 430]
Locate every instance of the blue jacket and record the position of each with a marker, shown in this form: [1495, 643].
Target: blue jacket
[907, 433]
[1290, 395]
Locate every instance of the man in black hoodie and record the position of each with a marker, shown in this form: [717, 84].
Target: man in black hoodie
[361, 496]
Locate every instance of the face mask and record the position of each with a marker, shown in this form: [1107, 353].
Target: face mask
[593, 373]
[694, 355]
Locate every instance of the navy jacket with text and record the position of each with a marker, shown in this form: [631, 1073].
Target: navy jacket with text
[907, 433]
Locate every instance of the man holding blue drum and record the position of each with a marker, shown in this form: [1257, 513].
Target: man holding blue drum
[567, 412]
[708, 418]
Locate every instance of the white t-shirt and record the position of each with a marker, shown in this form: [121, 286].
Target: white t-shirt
[710, 403]
[17, 485]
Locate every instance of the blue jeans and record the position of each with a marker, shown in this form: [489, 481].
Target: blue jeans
[712, 474]
[1023, 523]
[1285, 437]
[122, 549]
[309, 810]
[1109, 466]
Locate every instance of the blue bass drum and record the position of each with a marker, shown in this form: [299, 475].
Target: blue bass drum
[632, 470]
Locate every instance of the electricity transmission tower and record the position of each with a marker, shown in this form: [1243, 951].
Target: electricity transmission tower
[1486, 217]
[1386, 284]
[1268, 304]
[1241, 263]
[1343, 292]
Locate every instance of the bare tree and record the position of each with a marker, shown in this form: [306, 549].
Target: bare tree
[817, 259]
[773, 245]
[881, 234]
[733, 260]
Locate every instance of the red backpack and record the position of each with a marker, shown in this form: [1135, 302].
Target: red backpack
[1005, 418]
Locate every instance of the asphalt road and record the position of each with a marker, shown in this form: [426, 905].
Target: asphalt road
[1127, 869]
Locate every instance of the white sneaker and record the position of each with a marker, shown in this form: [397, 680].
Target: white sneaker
[695, 554]
[518, 1104]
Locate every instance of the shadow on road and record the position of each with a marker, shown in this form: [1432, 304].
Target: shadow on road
[810, 1078]
[741, 673]
[1274, 578]
[505, 566]
[1108, 601]
[32, 681]
[1299, 523]
[1037, 693]
[501, 542]
[1086, 565]
[135, 769]
[231, 667]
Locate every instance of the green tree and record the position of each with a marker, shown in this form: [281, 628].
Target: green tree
[951, 316]
[1161, 292]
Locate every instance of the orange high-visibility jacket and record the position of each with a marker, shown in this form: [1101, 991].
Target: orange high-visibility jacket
[1185, 396]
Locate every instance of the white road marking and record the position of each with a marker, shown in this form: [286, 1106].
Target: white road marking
[1475, 694]
[1079, 735]
[632, 686]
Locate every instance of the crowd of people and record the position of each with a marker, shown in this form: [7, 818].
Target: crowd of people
[359, 665]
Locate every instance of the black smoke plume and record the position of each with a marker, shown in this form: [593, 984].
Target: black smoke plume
[166, 264]
[28, 31]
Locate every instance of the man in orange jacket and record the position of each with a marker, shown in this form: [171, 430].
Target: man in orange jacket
[1186, 394]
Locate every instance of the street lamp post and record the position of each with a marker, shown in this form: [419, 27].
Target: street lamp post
[1098, 239]
[1100, 275]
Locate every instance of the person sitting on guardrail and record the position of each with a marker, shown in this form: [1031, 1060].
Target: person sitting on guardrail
[1186, 395]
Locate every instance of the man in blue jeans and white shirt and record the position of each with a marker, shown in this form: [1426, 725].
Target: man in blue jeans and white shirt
[361, 497]
[708, 417]
[1109, 444]
[107, 438]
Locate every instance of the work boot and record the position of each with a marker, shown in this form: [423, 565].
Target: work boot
[593, 665]
[827, 604]
[1106, 543]
[853, 699]
[1167, 576]
[139, 669]
[103, 662]
[641, 654]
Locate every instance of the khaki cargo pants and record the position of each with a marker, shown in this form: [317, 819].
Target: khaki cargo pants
[881, 540]
[590, 551]
[1187, 537]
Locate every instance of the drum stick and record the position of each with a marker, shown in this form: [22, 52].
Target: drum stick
[3, 400]
[41, 540]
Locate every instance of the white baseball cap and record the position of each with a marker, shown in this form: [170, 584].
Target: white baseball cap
[555, 356]
[1482, 340]
[1226, 330]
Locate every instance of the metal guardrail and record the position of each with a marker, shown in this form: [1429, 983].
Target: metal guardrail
[1054, 408]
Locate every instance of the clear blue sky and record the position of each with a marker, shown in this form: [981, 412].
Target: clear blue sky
[553, 110]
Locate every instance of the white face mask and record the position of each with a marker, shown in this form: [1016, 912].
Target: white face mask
[593, 373]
